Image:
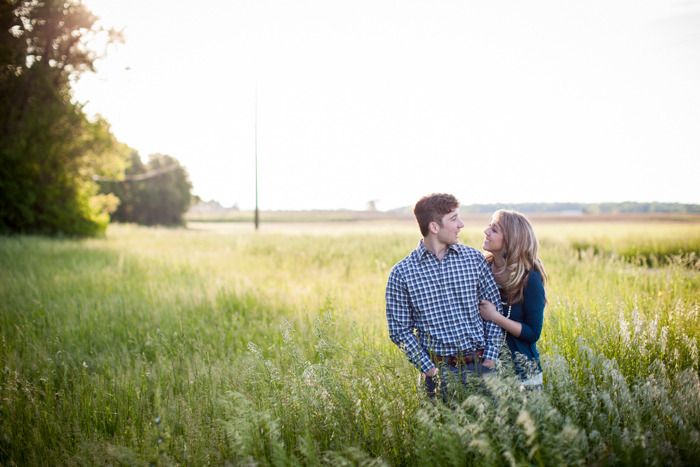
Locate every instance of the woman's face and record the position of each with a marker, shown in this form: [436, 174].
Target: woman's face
[493, 238]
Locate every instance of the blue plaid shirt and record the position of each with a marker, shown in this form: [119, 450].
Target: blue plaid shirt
[440, 300]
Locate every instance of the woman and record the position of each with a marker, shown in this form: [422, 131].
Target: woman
[511, 250]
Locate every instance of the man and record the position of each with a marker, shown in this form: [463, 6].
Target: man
[432, 299]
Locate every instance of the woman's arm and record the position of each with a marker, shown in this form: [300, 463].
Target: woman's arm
[489, 313]
[533, 308]
[533, 312]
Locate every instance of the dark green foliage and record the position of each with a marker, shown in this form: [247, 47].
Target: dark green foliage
[48, 149]
[157, 193]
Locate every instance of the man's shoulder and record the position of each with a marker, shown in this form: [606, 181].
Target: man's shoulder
[468, 252]
[406, 262]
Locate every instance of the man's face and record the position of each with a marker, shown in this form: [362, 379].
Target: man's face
[448, 232]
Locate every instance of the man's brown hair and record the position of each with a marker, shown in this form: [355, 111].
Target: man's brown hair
[432, 208]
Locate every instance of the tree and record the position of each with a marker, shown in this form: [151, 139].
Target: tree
[49, 150]
[157, 193]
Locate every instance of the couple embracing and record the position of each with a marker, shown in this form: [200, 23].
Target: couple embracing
[449, 307]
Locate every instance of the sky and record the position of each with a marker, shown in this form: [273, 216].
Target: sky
[387, 100]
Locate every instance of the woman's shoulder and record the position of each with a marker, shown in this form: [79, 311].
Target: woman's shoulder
[534, 294]
[536, 275]
[534, 279]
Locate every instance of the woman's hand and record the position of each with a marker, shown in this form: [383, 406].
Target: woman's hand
[488, 311]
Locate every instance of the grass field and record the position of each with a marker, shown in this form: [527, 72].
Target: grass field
[216, 344]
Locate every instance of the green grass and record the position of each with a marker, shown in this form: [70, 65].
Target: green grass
[650, 245]
[174, 346]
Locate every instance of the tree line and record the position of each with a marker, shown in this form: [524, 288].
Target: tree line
[628, 207]
[60, 171]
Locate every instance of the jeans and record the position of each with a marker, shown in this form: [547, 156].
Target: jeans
[453, 381]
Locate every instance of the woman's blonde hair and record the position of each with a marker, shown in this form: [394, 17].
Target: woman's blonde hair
[520, 250]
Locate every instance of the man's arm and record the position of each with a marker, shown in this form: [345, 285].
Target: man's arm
[401, 325]
[488, 290]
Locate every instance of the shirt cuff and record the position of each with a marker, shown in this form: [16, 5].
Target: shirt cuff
[491, 353]
[424, 363]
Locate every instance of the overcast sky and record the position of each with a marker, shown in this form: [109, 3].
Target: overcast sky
[494, 101]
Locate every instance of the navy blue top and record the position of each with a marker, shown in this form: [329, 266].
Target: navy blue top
[530, 313]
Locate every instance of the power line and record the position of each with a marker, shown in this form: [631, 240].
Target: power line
[138, 177]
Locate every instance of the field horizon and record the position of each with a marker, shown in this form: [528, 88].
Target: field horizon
[347, 215]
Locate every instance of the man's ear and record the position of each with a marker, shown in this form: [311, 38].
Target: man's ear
[434, 227]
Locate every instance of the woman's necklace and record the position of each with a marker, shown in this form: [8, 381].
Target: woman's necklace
[509, 308]
[505, 333]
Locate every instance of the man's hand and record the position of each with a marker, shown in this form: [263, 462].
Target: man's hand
[431, 372]
[489, 364]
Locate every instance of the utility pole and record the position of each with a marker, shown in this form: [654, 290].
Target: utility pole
[257, 213]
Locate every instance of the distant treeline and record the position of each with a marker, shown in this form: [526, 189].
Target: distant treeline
[627, 207]
[587, 208]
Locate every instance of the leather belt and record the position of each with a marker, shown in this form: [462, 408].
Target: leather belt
[461, 359]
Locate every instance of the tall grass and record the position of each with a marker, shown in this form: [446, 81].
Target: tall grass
[192, 347]
[650, 245]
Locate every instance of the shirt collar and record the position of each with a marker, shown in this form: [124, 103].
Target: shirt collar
[422, 251]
